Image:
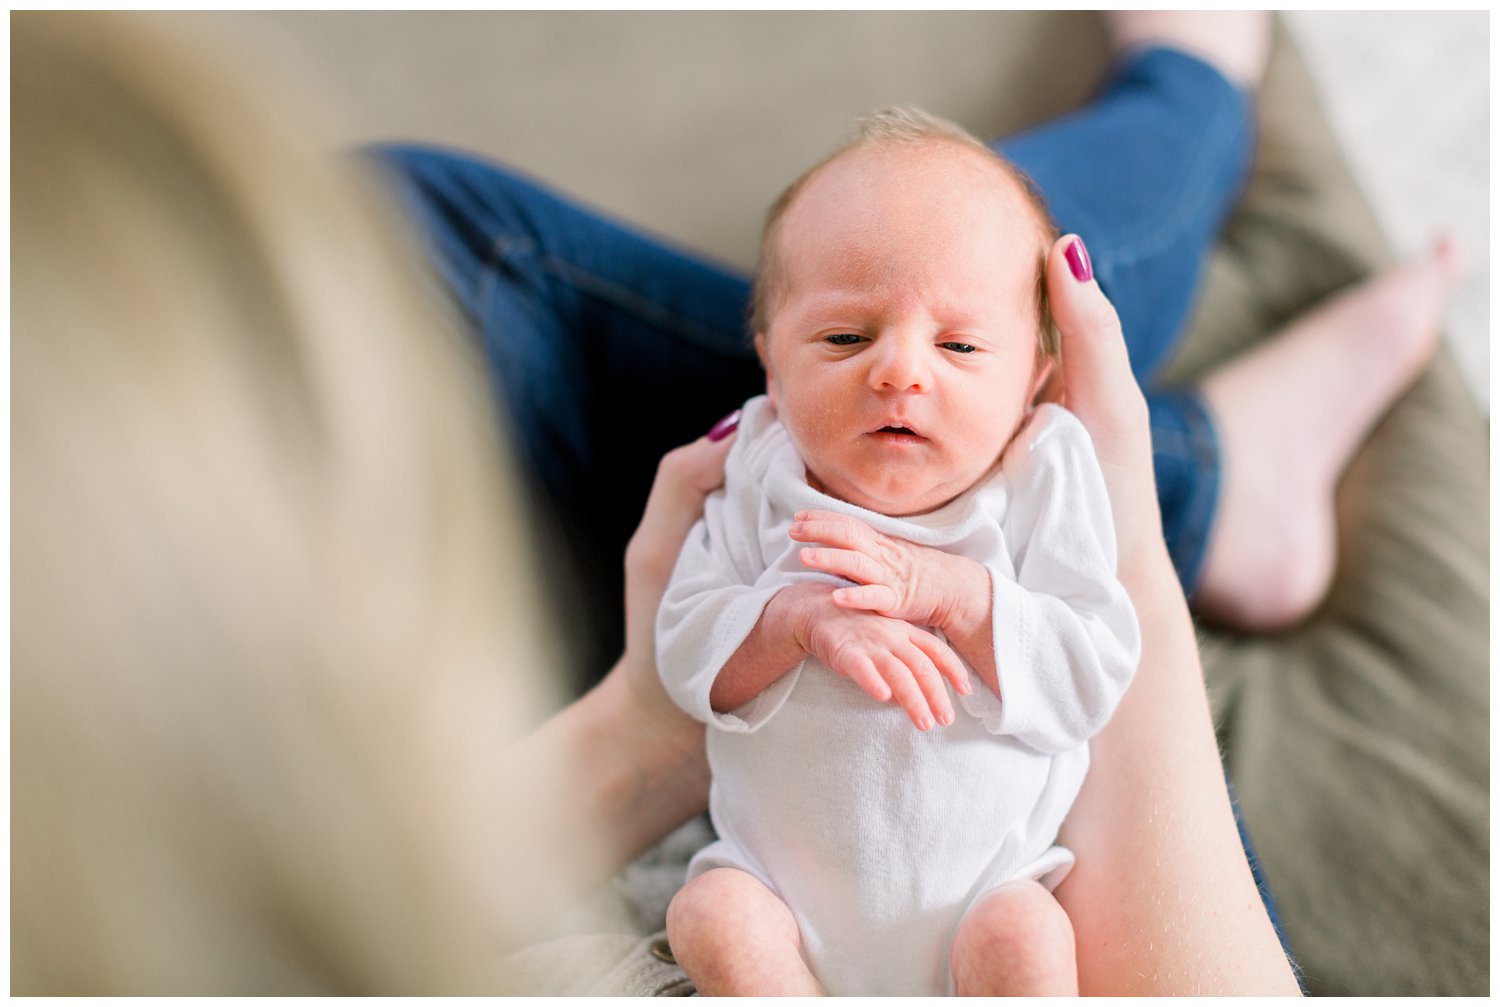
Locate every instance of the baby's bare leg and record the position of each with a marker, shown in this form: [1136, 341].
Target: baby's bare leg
[734, 937]
[1016, 941]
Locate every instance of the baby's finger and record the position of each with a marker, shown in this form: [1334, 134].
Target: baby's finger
[947, 662]
[861, 671]
[855, 566]
[928, 680]
[831, 529]
[867, 597]
[905, 691]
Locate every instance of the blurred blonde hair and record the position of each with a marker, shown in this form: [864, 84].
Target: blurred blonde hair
[272, 612]
[897, 126]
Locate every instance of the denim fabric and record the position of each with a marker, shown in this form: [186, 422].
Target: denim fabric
[606, 349]
[1146, 174]
[1185, 450]
[1262, 886]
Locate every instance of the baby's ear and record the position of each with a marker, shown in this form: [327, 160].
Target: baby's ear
[765, 361]
[1046, 384]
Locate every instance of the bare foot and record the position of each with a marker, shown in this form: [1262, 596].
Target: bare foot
[1236, 42]
[1291, 412]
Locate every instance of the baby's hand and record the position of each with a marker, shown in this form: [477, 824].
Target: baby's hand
[889, 658]
[896, 578]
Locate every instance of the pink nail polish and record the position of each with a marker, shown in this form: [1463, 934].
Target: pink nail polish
[725, 427]
[1078, 261]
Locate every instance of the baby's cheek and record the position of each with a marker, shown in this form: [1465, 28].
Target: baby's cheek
[813, 425]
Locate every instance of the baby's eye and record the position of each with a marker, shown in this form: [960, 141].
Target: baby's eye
[844, 338]
[958, 347]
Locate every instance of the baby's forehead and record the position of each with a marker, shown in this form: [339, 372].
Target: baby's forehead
[886, 171]
[946, 205]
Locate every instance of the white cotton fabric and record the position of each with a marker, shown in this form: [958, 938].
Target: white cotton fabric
[880, 837]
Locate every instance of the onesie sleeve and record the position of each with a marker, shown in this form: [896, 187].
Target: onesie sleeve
[705, 616]
[1067, 641]
[717, 593]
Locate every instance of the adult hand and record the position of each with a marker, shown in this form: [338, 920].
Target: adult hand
[1096, 384]
[1161, 898]
[684, 478]
[653, 774]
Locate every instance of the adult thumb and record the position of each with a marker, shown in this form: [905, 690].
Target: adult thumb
[1099, 388]
[1097, 381]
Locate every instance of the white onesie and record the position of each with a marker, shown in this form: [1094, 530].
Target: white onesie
[878, 836]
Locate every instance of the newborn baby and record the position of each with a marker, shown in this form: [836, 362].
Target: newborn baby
[900, 617]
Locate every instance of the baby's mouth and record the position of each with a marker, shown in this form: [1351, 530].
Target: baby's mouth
[898, 433]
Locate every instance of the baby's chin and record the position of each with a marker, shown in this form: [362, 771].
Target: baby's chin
[895, 500]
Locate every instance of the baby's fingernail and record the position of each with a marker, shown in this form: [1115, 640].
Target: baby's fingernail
[1078, 261]
[924, 724]
[724, 427]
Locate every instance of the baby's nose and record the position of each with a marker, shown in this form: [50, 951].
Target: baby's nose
[899, 365]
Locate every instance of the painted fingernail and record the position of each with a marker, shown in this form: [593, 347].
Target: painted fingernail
[1078, 261]
[724, 427]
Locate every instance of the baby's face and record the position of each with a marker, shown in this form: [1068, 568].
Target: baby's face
[901, 351]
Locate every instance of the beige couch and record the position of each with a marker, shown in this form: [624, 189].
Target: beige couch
[1359, 742]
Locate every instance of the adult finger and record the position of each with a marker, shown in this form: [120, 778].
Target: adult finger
[684, 478]
[1099, 388]
[1096, 362]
